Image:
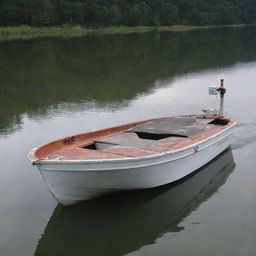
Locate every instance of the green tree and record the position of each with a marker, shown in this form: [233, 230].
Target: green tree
[43, 13]
[126, 12]
[144, 13]
[98, 14]
[1, 22]
[169, 14]
[135, 17]
[75, 12]
[156, 20]
[16, 12]
[227, 15]
[115, 15]
[60, 11]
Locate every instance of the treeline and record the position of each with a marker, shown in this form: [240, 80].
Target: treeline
[99, 13]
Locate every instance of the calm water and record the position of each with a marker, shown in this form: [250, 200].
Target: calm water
[51, 88]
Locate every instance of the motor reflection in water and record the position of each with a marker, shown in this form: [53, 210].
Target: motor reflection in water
[124, 223]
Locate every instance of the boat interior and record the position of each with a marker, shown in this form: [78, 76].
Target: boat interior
[138, 139]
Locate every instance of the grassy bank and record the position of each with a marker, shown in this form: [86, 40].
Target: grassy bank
[27, 32]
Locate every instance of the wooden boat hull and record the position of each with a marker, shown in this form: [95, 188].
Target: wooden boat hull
[72, 181]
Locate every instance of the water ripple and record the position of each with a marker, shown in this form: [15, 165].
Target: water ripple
[244, 134]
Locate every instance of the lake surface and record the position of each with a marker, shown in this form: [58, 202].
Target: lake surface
[54, 87]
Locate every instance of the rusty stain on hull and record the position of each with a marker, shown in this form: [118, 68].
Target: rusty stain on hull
[74, 147]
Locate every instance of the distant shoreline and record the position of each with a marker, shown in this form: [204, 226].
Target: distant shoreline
[27, 32]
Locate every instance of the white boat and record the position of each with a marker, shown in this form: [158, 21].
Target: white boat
[139, 218]
[138, 155]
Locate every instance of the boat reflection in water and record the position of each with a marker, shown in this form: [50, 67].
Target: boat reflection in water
[123, 223]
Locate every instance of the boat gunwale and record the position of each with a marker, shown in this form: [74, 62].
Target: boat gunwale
[126, 167]
[37, 161]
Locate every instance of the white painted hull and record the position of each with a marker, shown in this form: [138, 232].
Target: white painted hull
[72, 181]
